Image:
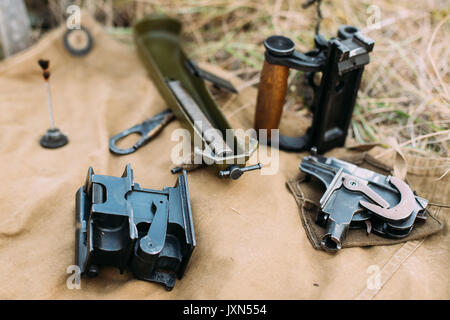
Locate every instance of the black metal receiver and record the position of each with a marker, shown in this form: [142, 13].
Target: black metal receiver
[121, 224]
[341, 61]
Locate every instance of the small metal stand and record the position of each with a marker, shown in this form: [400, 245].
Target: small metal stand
[149, 232]
[53, 138]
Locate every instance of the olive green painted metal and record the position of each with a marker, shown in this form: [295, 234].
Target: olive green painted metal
[158, 44]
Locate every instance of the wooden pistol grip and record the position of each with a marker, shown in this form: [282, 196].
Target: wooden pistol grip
[271, 96]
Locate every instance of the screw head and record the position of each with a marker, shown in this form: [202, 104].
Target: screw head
[279, 46]
[236, 173]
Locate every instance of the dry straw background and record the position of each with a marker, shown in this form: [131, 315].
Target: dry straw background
[405, 94]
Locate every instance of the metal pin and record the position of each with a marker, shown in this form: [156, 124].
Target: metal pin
[235, 172]
[53, 138]
[50, 107]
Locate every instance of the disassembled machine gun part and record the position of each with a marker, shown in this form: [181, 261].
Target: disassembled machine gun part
[53, 138]
[391, 212]
[341, 61]
[120, 224]
[181, 83]
[218, 82]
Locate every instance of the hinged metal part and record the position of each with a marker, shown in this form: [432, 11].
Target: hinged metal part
[120, 224]
[356, 197]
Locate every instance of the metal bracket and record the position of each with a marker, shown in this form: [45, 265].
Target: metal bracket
[217, 81]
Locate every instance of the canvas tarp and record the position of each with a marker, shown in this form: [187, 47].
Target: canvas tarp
[250, 240]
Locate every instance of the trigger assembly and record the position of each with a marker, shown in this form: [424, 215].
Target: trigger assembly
[120, 224]
[340, 61]
[359, 198]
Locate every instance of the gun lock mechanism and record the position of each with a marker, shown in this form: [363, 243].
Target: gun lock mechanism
[356, 198]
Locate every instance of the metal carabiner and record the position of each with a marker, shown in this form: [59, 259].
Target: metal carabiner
[147, 129]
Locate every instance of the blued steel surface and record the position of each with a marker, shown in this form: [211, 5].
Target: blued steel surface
[120, 224]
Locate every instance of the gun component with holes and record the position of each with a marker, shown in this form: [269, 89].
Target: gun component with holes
[356, 197]
[120, 224]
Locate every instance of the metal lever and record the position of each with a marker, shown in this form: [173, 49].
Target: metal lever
[147, 129]
[356, 184]
[402, 210]
[208, 76]
[153, 242]
[235, 172]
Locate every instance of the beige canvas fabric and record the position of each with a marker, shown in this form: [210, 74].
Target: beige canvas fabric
[250, 240]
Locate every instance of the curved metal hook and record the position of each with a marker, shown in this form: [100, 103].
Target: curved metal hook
[402, 210]
[147, 129]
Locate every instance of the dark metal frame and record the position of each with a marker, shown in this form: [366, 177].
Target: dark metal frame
[120, 224]
[341, 61]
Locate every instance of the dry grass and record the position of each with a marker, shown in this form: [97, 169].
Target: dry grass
[405, 92]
